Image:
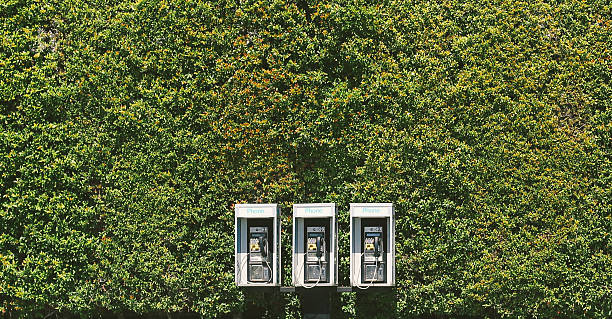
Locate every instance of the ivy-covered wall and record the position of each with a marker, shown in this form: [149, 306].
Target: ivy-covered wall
[129, 129]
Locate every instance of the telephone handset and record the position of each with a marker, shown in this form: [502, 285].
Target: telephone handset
[376, 246]
[263, 242]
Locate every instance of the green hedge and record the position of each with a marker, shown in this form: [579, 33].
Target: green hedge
[131, 128]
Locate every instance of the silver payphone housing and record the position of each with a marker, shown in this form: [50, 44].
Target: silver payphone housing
[315, 245]
[257, 245]
[372, 245]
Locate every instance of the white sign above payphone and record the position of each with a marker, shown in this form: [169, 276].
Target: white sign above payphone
[255, 210]
[313, 210]
[371, 209]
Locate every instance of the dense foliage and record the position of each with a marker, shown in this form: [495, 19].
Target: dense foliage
[130, 128]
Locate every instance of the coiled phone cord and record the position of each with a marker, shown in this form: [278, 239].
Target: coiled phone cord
[269, 268]
[318, 280]
[246, 258]
[371, 281]
[241, 265]
[302, 271]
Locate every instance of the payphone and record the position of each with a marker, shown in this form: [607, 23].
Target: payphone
[259, 258]
[314, 245]
[372, 244]
[317, 256]
[257, 245]
[373, 258]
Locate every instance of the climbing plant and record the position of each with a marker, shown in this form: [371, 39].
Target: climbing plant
[129, 129]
